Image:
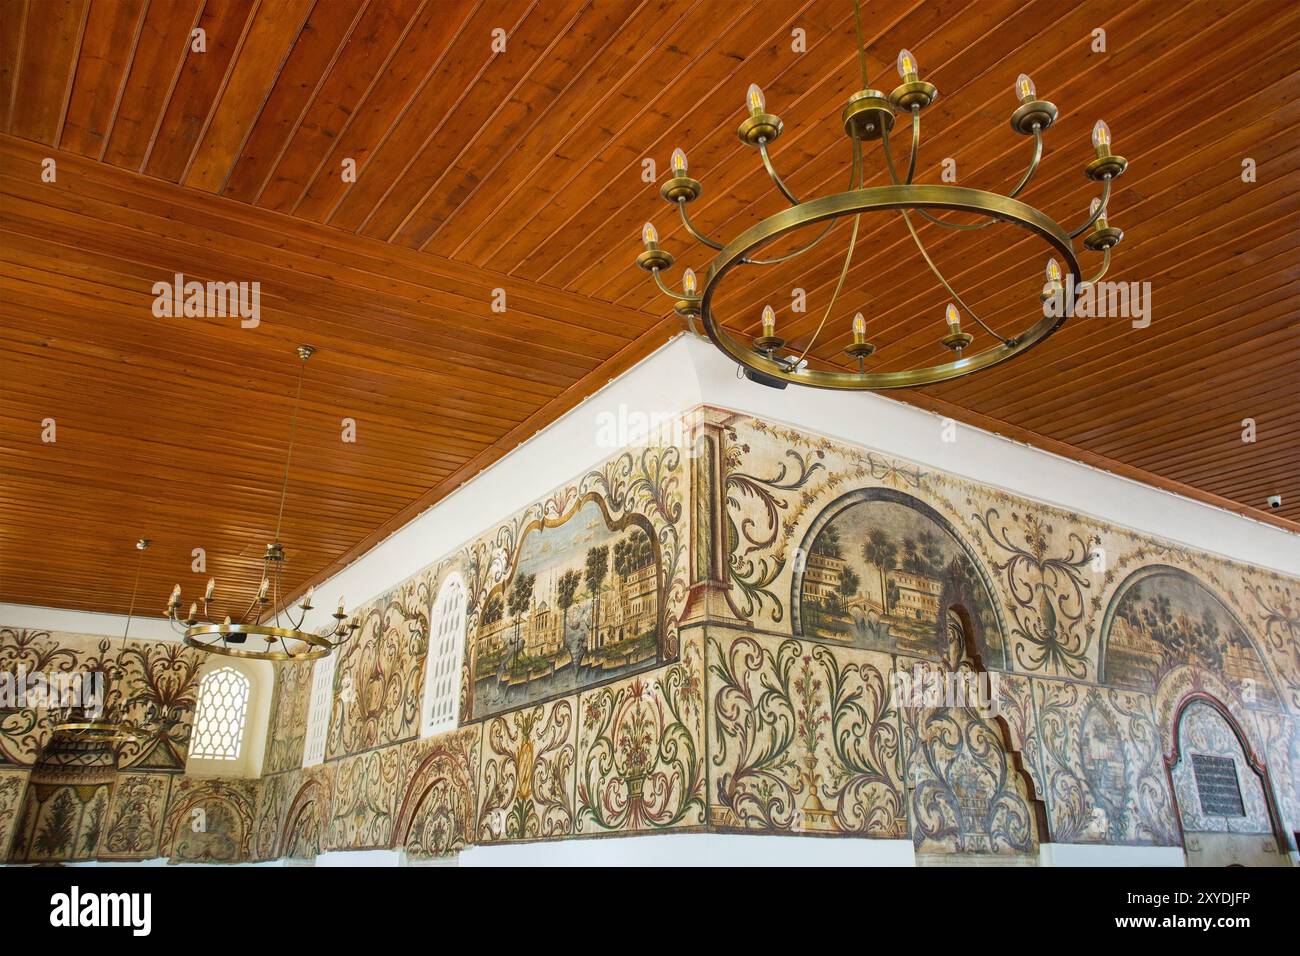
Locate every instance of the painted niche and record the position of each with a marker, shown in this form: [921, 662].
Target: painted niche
[1163, 618]
[879, 570]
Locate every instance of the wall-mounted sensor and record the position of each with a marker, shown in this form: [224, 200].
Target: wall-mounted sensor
[1275, 501]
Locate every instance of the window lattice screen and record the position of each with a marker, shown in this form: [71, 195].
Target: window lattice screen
[442, 666]
[319, 710]
[219, 721]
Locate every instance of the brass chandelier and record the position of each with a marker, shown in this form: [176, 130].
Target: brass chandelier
[870, 115]
[283, 635]
[111, 721]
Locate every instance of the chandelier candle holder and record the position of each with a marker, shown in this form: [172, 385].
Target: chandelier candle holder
[283, 634]
[111, 722]
[870, 115]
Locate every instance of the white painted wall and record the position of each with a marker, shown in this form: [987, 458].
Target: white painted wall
[697, 849]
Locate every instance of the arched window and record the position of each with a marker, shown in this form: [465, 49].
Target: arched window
[220, 716]
[442, 666]
[319, 711]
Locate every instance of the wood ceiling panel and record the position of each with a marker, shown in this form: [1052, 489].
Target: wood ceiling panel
[521, 170]
[47, 60]
[160, 52]
[112, 29]
[322, 41]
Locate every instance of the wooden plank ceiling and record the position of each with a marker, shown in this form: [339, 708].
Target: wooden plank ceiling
[521, 170]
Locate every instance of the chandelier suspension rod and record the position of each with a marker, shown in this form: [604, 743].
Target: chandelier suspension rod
[293, 430]
[130, 611]
[862, 50]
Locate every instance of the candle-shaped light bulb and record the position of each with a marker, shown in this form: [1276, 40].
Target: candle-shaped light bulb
[1025, 88]
[263, 588]
[906, 65]
[953, 318]
[1053, 271]
[175, 599]
[859, 329]
[1101, 136]
[1094, 206]
[689, 283]
[341, 612]
[209, 590]
[769, 321]
[306, 598]
[679, 162]
[194, 611]
[226, 622]
[755, 100]
[649, 235]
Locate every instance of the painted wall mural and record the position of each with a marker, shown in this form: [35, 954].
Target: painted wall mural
[713, 636]
[13, 784]
[135, 816]
[65, 809]
[969, 795]
[209, 821]
[288, 729]
[804, 739]
[158, 677]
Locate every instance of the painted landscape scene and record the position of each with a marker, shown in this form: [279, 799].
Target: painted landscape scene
[882, 575]
[581, 607]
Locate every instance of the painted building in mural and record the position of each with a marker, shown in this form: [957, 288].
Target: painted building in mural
[712, 641]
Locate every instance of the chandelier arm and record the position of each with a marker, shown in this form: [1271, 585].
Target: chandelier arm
[671, 293]
[844, 271]
[1033, 164]
[690, 227]
[951, 291]
[1101, 210]
[1105, 265]
[1024, 181]
[855, 182]
[771, 172]
[916, 143]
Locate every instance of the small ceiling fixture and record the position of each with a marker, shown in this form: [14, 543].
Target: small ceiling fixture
[108, 719]
[870, 115]
[284, 638]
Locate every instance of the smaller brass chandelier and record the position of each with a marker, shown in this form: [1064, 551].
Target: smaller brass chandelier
[283, 635]
[869, 116]
[111, 723]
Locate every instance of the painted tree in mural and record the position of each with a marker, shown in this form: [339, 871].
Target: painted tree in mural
[632, 553]
[597, 571]
[880, 551]
[849, 584]
[57, 832]
[492, 610]
[519, 601]
[566, 594]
